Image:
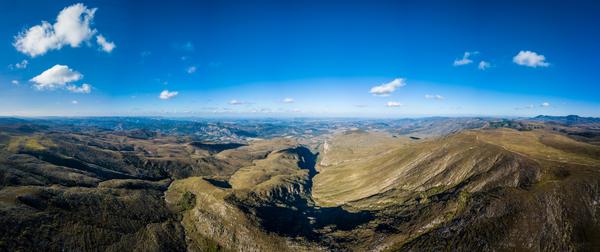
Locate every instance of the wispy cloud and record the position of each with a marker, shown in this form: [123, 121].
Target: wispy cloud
[288, 100]
[263, 110]
[161, 81]
[104, 44]
[191, 69]
[215, 64]
[436, 97]
[19, 65]
[236, 102]
[465, 60]
[393, 104]
[83, 89]
[187, 46]
[72, 28]
[15, 82]
[144, 55]
[530, 59]
[166, 94]
[545, 104]
[387, 88]
[483, 65]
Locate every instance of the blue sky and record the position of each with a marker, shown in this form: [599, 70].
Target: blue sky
[304, 58]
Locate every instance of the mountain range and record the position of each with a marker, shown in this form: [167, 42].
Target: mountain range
[307, 184]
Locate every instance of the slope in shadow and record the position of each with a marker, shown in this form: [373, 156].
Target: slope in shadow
[302, 219]
[78, 165]
[216, 147]
[300, 216]
[218, 183]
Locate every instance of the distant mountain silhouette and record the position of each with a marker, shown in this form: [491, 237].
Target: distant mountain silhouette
[568, 120]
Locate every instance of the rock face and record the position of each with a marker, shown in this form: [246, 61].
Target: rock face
[479, 189]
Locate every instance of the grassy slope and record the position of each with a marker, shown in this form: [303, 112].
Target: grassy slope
[438, 183]
[408, 169]
[438, 164]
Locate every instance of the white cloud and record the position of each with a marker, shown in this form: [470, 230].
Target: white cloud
[387, 88]
[104, 44]
[393, 104]
[15, 82]
[545, 104]
[72, 28]
[56, 77]
[484, 65]
[191, 69]
[165, 94]
[19, 65]
[83, 89]
[288, 100]
[236, 102]
[530, 59]
[74, 102]
[465, 59]
[437, 97]
[22, 64]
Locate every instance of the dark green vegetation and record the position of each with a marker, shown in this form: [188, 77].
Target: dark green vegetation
[187, 201]
[441, 184]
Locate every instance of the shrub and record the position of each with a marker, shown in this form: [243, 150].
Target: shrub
[187, 201]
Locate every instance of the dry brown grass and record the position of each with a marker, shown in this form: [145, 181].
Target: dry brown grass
[410, 168]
